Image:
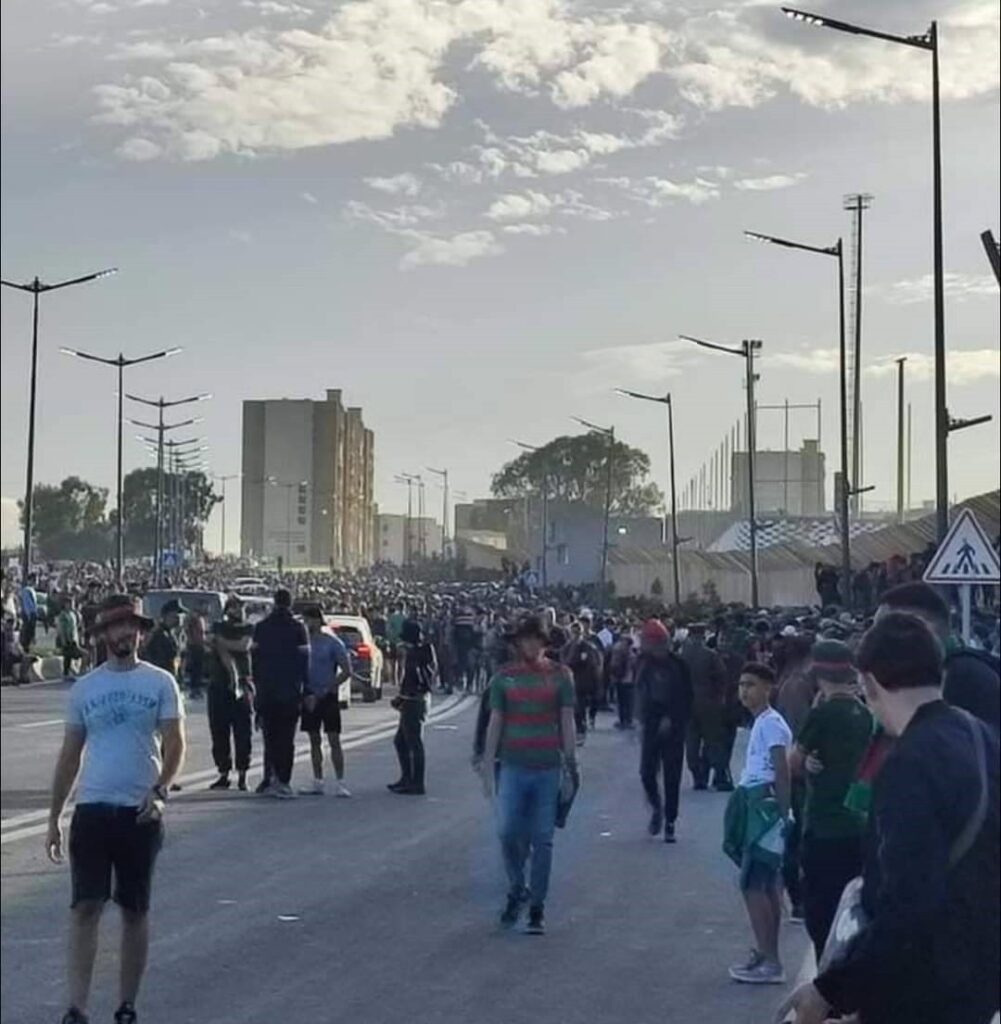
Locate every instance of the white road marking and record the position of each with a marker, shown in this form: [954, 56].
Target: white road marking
[40, 725]
[25, 826]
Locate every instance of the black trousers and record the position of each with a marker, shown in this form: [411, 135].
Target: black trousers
[662, 754]
[705, 745]
[278, 723]
[828, 866]
[626, 693]
[409, 742]
[230, 726]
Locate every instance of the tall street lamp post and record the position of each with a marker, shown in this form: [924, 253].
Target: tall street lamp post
[544, 553]
[847, 485]
[161, 428]
[608, 432]
[170, 456]
[120, 363]
[443, 473]
[223, 480]
[160, 404]
[927, 41]
[746, 352]
[36, 288]
[666, 400]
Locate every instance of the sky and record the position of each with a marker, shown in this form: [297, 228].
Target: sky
[478, 217]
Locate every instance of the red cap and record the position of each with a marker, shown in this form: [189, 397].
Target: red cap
[654, 631]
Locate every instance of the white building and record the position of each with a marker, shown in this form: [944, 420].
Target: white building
[393, 545]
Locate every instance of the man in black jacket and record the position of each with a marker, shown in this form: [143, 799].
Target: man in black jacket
[280, 653]
[930, 952]
[664, 690]
[970, 682]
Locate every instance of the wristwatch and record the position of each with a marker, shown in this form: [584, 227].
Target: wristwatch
[160, 792]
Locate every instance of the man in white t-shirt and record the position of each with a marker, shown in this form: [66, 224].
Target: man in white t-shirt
[755, 825]
[125, 722]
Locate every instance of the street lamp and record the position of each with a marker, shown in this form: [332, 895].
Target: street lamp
[36, 288]
[666, 400]
[925, 41]
[609, 432]
[443, 473]
[408, 541]
[161, 428]
[120, 363]
[544, 564]
[837, 251]
[746, 352]
[160, 404]
[177, 454]
[223, 480]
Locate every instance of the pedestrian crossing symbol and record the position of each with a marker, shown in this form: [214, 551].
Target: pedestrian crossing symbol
[965, 556]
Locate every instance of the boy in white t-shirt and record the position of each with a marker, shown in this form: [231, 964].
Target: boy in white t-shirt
[755, 823]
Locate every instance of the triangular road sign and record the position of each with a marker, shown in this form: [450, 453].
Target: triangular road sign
[965, 556]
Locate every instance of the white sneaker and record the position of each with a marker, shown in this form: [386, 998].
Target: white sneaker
[315, 788]
[343, 790]
[767, 972]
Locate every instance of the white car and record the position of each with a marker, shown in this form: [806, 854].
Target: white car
[366, 655]
[250, 586]
[255, 608]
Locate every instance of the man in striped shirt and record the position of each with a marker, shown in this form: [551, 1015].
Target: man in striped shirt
[531, 733]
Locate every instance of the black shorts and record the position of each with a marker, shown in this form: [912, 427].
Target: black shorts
[106, 839]
[326, 716]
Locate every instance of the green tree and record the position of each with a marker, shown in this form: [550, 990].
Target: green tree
[69, 519]
[574, 468]
[139, 501]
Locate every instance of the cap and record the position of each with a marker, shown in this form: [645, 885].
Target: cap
[654, 631]
[789, 630]
[121, 608]
[832, 660]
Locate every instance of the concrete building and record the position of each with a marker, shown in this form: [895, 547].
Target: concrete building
[393, 544]
[307, 489]
[786, 483]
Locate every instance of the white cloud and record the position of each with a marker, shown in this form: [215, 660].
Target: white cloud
[535, 230]
[308, 197]
[395, 220]
[450, 250]
[816, 360]
[518, 206]
[654, 191]
[405, 184]
[374, 67]
[769, 183]
[962, 367]
[642, 366]
[139, 149]
[920, 289]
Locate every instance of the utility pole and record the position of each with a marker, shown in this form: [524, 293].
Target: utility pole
[900, 438]
[856, 204]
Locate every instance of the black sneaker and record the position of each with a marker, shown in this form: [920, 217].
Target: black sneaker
[241, 782]
[656, 821]
[513, 908]
[669, 836]
[410, 791]
[700, 785]
[126, 1014]
[221, 783]
[536, 921]
[75, 1016]
[395, 787]
[263, 786]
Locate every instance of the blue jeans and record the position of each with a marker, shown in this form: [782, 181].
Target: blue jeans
[526, 811]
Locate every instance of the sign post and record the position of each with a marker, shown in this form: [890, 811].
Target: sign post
[965, 558]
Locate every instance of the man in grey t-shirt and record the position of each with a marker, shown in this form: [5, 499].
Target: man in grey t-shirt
[125, 722]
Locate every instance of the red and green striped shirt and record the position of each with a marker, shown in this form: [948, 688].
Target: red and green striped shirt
[531, 698]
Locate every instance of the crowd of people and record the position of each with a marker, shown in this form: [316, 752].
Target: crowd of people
[870, 767]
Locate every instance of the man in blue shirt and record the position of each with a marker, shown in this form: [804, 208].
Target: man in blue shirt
[29, 612]
[329, 668]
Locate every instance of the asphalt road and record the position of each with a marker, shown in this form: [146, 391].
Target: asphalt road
[382, 908]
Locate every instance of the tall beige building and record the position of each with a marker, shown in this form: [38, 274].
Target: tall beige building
[308, 483]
